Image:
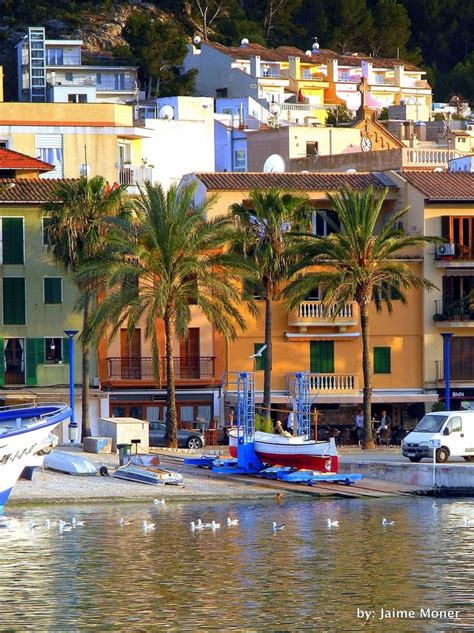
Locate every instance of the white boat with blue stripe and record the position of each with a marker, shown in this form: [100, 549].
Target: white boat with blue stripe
[23, 432]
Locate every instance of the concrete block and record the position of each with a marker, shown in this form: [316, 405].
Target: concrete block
[97, 445]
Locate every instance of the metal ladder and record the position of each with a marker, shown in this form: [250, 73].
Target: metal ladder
[299, 392]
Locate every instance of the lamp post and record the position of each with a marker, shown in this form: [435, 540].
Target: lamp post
[73, 428]
[447, 375]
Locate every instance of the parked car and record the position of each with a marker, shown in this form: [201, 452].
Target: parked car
[450, 433]
[186, 439]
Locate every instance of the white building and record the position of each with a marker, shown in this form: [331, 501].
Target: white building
[182, 139]
[53, 71]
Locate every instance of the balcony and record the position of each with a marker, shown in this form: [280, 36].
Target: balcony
[450, 313]
[135, 175]
[107, 84]
[454, 255]
[427, 157]
[138, 370]
[312, 313]
[322, 384]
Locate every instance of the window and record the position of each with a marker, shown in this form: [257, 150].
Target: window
[455, 425]
[312, 149]
[240, 160]
[98, 78]
[321, 357]
[3, 143]
[386, 290]
[462, 358]
[382, 360]
[52, 290]
[252, 290]
[325, 222]
[46, 223]
[221, 93]
[14, 310]
[69, 76]
[49, 147]
[119, 81]
[53, 350]
[259, 360]
[77, 98]
[54, 56]
[12, 241]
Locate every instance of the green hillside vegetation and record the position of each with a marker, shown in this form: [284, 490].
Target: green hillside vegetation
[436, 34]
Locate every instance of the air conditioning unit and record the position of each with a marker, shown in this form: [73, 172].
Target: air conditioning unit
[443, 250]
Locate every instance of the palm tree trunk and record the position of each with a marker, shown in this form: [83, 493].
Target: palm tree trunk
[86, 424]
[171, 434]
[367, 398]
[267, 378]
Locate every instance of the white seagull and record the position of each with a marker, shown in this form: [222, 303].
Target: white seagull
[276, 526]
[196, 526]
[147, 526]
[76, 523]
[466, 521]
[332, 523]
[158, 502]
[215, 525]
[231, 522]
[385, 522]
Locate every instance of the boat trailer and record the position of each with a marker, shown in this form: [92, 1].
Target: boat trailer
[248, 462]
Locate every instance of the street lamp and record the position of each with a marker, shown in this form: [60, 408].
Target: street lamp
[447, 376]
[73, 428]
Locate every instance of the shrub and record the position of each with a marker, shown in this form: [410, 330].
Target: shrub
[267, 425]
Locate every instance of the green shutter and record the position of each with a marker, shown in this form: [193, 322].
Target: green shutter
[2, 361]
[31, 361]
[45, 236]
[65, 350]
[321, 354]
[52, 290]
[382, 361]
[40, 351]
[12, 239]
[14, 301]
[259, 360]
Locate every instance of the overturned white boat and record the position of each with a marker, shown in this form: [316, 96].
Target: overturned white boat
[69, 463]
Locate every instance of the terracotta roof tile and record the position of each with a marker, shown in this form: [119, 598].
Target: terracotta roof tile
[445, 185]
[28, 190]
[15, 160]
[244, 181]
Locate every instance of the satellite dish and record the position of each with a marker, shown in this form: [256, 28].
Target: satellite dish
[308, 52]
[274, 164]
[196, 40]
[304, 171]
[275, 109]
[244, 41]
[166, 112]
[351, 171]
[438, 169]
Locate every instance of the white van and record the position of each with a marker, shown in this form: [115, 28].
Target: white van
[453, 429]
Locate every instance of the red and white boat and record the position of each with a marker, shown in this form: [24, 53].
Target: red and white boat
[299, 452]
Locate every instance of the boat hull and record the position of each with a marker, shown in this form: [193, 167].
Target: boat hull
[275, 450]
[19, 445]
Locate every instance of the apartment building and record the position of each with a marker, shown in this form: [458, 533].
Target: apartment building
[56, 71]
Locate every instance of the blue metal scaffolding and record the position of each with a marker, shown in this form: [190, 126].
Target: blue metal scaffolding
[299, 392]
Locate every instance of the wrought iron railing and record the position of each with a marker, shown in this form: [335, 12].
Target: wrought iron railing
[141, 367]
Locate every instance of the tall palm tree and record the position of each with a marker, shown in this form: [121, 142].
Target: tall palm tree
[78, 222]
[358, 263]
[263, 224]
[167, 258]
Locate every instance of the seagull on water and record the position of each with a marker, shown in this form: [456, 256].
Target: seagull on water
[231, 522]
[332, 523]
[197, 526]
[147, 526]
[76, 523]
[466, 522]
[386, 522]
[276, 526]
[158, 502]
[215, 526]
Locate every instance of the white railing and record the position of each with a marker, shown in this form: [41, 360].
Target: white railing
[135, 175]
[428, 157]
[315, 310]
[333, 383]
[301, 107]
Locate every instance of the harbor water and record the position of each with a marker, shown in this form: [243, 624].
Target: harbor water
[106, 576]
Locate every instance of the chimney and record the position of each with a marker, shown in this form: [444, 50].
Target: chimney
[399, 73]
[333, 70]
[255, 70]
[367, 71]
[294, 67]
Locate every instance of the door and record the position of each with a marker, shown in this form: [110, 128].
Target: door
[14, 361]
[189, 354]
[130, 354]
[322, 357]
[455, 441]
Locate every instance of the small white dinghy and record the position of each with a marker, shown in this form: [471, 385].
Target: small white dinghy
[69, 463]
[146, 469]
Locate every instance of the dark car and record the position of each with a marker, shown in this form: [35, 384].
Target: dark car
[186, 439]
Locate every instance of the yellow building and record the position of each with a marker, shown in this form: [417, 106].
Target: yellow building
[307, 340]
[76, 138]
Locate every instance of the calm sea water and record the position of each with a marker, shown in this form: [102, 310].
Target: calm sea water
[104, 577]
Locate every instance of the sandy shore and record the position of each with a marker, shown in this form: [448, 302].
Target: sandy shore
[52, 487]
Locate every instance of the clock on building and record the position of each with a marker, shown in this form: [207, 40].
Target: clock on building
[366, 144]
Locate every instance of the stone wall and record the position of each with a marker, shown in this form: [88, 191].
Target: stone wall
[361, 161]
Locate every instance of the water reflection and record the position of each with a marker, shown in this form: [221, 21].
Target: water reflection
[106, 577]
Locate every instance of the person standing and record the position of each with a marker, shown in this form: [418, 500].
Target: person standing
[359, 424]
[385, 422]
[290, 423]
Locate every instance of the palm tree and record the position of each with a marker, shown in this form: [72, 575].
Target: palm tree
[358, 264]
[263, 224]
[167, 258]
[78, 222]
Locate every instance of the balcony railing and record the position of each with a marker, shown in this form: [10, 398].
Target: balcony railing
[427, 157]
[106, 84]
[313, 313]
[141, 368]
[455, 251]
[132, 175]
[334, 383]
[449, 310]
